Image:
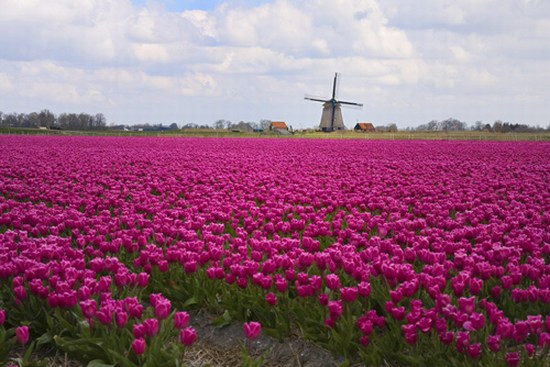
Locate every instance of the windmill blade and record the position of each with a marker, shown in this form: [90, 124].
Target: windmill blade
[334, 85]
[351, 103]
[338, 80]
[352, 106]
[315, 99]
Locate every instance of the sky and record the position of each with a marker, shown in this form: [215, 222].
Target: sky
[164, 61]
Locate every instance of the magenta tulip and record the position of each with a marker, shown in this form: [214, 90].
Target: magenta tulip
[252, 329]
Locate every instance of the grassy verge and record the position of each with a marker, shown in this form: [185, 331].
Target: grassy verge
[401, 135]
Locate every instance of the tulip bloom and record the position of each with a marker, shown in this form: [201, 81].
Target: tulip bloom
[162, 309]
[138, 346]
[181, 319]
[271, 298]
[474, 350]
[151, 327]
[349, 294]
[142, 279]
[512, 359]
[138, 330]
[335, 309]
[188, 336]
[121, 318]
[252, 329]
[22, 334]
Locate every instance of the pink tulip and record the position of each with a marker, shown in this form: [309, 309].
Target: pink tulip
[335, 309]
[181, 319]
[22, 334]
[121, 318]
[138, 330]
[271, 298]
[512, 359]
[332, 281]
[252, 329]
[151, 327]
[364, 289]
[474, 350]
[162, 309]
[142, 279]
[188, 336]
[349, 294]
[138, 346]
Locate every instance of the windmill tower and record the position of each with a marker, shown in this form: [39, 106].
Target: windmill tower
[331, 118]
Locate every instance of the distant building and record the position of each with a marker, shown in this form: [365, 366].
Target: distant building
[364, 127]
[279, 126]
[242, 127]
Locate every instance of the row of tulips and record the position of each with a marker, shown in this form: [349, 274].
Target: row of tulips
[417, 252]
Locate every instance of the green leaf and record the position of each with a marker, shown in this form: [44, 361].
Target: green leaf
[6, 348]
[122, 360]
[190, 302]
[82, 349]
[276, 333]
[28, 352]
[99, 363]
[223, 320]
[45, 338]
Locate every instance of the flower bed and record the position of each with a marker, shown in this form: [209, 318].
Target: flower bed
[413, 252]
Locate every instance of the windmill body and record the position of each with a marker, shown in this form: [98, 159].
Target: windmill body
[331, 118]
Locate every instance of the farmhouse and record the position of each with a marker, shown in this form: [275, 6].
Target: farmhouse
[279, 126]
[364, 127]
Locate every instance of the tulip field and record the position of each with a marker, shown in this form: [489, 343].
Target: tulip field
[383, 252]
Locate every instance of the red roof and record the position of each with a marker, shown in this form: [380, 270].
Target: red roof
[279, 125]
[365, 126]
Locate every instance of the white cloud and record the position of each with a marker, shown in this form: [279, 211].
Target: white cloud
[150, 52]
[202, 21]
[5, 83]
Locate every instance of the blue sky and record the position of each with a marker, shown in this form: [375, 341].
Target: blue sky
[166, 61]
[182, 5]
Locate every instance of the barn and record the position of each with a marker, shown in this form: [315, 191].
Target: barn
[279, 126]
[364, 127]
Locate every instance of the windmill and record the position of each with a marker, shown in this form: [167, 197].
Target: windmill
[331, 118]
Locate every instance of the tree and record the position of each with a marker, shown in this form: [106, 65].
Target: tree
[190, 125]
[46, 118]
[10, 119]
[100, 121]
[264, 124]
[219, 125]
[33, 119]
[173, 126]
[478, 126]
[452, 124]
[392, 128]
[433, 125]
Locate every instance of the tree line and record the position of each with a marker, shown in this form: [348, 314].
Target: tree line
[46, 119]
[85, 121]
[498, 126]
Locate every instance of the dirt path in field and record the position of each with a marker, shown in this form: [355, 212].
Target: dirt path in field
[223, 347]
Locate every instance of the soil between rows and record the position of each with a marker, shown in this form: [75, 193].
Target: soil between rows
[222, 347]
